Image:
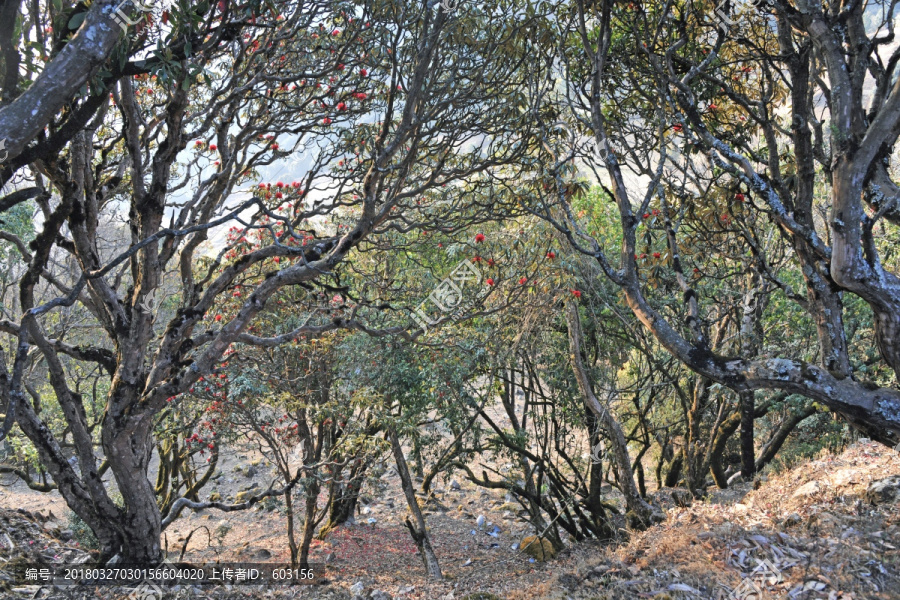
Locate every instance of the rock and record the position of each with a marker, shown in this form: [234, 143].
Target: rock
[480, 521]
[884, 490]
[537, 548]
[262, 554]
[843, 478]
[251, 471]
[454, 485]
[53, 528]
[482, 596]
[807, 489]
[329, 558]
[569, 581]
[379, 595]
[66, 534]
[792, 520]
[682, 497]
[637, 521]
[357, 588]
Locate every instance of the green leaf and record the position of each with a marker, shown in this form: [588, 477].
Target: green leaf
[76, 20]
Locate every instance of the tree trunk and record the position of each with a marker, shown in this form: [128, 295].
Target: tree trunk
[292, 542]
[128, 445]
[673, 475]
[343, 500]
[594, 501]
[309, 523]
[778, 438]
[748, 452]
[641, 514]
[417, 530]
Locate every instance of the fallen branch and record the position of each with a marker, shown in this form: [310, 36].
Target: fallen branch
[183, 502]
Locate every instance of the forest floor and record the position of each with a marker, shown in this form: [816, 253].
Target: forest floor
[809, 532]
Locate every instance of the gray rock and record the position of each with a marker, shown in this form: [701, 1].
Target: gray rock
[379, 595]
[357, 588]
[682, 497]
[792, 520]
[454, 484]
[884, 490]
[251, 471]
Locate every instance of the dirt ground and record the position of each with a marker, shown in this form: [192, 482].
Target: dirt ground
[806, 533]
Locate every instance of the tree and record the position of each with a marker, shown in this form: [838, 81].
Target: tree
[645, 81]
[392, 93]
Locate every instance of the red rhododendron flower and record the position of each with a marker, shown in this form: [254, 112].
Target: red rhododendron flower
[218, 317]
[489, 281]
[576, 293]
[523, 281]
[479, 238]
[551, 255]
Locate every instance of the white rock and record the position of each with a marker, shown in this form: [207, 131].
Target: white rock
[807, 489]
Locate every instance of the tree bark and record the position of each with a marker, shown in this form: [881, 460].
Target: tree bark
[309, 523]
[417, 530]
[289, 515]
[768, 452]
[748, 414]
[343, 500]
[23, 119]
[642, 514]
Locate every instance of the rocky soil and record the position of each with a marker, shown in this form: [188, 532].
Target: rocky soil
[829, 528]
